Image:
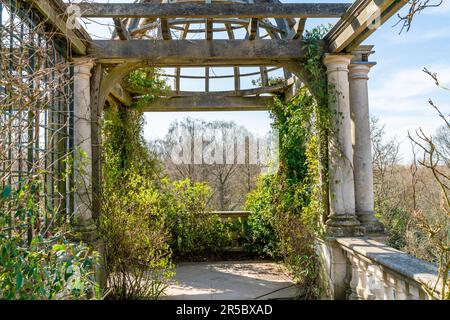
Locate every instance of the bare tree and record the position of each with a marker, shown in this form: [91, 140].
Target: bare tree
[215, 159]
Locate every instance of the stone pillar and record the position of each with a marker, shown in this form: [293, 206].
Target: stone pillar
[362, 147]
[342, 220]
[83, 149]
[83, 163]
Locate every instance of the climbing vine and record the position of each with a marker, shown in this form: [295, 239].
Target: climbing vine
[287, 207]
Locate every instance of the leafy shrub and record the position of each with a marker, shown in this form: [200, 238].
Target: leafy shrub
[287, 206]
[40, 263]
[194, 231]
[137, 255]
[261, 238]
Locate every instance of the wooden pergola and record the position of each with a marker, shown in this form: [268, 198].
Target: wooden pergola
[265, 34]
[228, 33]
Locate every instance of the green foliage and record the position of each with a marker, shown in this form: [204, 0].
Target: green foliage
[40, 263]
[287, 207]
[194, 231]
[261, 238]
[149, 82]
[137, 255]
[146, 219]
[316, 72]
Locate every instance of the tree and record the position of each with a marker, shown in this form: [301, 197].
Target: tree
[220, 153]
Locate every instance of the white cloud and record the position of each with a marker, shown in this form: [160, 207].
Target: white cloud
[400, 88]
[400, 100]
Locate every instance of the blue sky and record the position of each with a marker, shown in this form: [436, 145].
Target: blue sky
[398, 89]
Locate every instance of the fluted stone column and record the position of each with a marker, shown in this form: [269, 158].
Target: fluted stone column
[362, 147]
[342, 220]
[83, 148]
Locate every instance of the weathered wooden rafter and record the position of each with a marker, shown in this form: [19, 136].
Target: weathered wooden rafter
[208, 103]
[252, 29]
[121, 30]
[213, 10]
[199, 52]
[57, 19]
[242, 93]
[165, 30]
[298, 29]
[360, 21]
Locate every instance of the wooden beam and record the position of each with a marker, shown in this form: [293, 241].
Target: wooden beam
[252, 29]
[360, 21]
[213, 10]
[278, 88]
[198, 52]
[165, 29]
[209, 29]
[208, 103]
[57, 20]
[298, 29]
[121, 30]
[120, 94]
[237, 76]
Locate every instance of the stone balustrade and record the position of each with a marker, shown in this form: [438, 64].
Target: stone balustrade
[375, 271]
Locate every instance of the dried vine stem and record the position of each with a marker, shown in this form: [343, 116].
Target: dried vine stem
[416, 6]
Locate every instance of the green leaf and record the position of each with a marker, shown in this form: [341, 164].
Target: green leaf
[58, 247]
[19, 279]
[6, 192]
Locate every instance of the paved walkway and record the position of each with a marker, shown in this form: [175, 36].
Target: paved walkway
[231, 281]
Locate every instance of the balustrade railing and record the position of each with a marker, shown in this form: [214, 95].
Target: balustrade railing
[378, 272]
[239, 233]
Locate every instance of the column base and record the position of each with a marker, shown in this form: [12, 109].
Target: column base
[87, 230]
[372, 225]
[344, 226]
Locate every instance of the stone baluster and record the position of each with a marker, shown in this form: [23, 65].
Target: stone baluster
[369, 290]
[388, 289]
[361, 287]
[379, 283]
[355, 277]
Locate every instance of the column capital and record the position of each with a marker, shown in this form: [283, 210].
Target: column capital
[83, 67]
[360, 70]
[337, 62]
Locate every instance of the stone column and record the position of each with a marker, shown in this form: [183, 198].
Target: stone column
[342, 220]
[362, 147]
[83, 148]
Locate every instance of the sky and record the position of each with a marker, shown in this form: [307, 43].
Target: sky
[398, 89]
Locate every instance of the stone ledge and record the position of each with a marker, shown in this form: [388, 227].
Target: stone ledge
[396, 261]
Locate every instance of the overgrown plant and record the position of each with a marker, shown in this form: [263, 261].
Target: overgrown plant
[287, 207]
[50, 265]
[137, 256]
[39, 258]
[195, 232]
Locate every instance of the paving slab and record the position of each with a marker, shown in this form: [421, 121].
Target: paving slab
[231, 280]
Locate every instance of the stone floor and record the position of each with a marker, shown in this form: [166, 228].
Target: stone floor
[230, 280]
